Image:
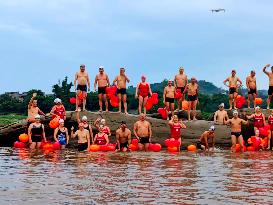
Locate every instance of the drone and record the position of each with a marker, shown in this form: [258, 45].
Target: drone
[218, 10]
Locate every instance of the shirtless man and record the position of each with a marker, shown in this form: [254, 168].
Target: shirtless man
[233, 88]
[143, 132]
[203, 142]
[123, 136]
[120, 81]
[180, 82]
[221, 116]
[192, 90]
[33, 109]
[252, 88]
[236, 128]
[103, 82]
[83, 137]
[270, 90]
[168, 97]
[80, 83]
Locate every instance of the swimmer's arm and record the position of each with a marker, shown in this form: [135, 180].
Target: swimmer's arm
[96, 123]
[95, 139]
[174, 82]
[55, 134]
[225, 81]
[213, 141]
[108, 81]
[215, 116]
[171, 122]
[136, 94]
[31, 100]
[187, 80]
[150, 131]
[72, 133]
[29, 133]
[240, 82]
[227, 122]
[44, 133]
[78, 116]
[95, 83]
[127, 79]
[115, 81]
[75, 80]
[107, 139]
[226, 118]
[186, 89]
[247, 83]
[264, 119]
[88, 139]
[206, 142]
[244, 122]
[91, 133]
[64, 113]
[183, 126]
[41, 112]
[250, 117]
[164, 94]
[117, 138]
[197, 91]
[129, 137]
[150, 90]
[88, 81]
[52, 111]
[67, 136]
[264, 69]
[135, 131]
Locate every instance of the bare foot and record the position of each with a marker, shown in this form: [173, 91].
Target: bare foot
[100, 110]
[235, 108]
[194, 119]
[106, 110]
[126, 113]
[230, 108]
[268, 108]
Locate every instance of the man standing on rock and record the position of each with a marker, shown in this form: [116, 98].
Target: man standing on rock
[80, 83]
[221, 116]
[123, 136]
[252, 88]
[233, 88]
[103, 82]
[168, 97]
[270, 89]
[120, 81]
[143, 132]
[180, 82]
[192, 90]
[33, 109]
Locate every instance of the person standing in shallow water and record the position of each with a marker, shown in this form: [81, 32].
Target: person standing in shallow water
[175, 126]
[103, 82]
[123, 136]
[36, 133]
[203, 142]
[252, 88]
[180, 82]
[121, 81]
[270, 89]
[61, 134]
[83, 137]
[221, 116]
[143, 90]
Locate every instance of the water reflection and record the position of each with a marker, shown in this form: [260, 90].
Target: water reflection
[70, 177]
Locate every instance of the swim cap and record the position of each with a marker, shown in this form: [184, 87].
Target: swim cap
[61, 121]
[37, 117]
[57, 100]
[212, 128]
[222, 105]
[143, 76]
[257, 108]
[84, 118]
[102, 120]
[235, 112]
[101, 67]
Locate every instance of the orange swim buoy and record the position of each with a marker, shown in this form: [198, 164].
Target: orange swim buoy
[258, 101]
[191, 148]
[23, 137]
[172, 149]
[94, 148]
[185, 105]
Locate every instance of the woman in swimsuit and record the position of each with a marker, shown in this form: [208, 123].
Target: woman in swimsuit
[143, 90]
[58, 109]
[101, 138]
[176, 126]
[86, 125]
[36, 133]
[61, 134]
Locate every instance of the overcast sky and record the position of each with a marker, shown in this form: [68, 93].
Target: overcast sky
[44, 40]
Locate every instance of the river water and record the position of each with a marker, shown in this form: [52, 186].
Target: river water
[70, 177]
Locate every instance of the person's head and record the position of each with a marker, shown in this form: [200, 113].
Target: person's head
[257, 133]
[58, 101]
[193, 80]
[235, 113]
[252, 73]
[143, 78]
[101, 128]
[257, 109]
[37, 118]
[142, 117]
[212, 129]
[122, 71]
[101, 70]
[81, 125]
[175, 118]
[123, 125]
[34, 103]
[181, 70]
[84, 119]
[221, 106]
[233, 73]
[82, 67]
[170, 82]
[61, 123]
[103, 122]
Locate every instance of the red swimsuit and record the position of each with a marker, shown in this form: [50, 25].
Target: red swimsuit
[100, 139]
[60, 111]
[270, 122]
[143, 89]
[175, 131]
[258, 121]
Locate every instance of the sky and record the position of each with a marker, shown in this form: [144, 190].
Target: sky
[42, 41]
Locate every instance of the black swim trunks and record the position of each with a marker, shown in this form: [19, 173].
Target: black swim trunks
[181, 89]
[144, 140]
[192, 98]
[102, 90]
[252, 91]
[122, 91]
[232, 91]
[82, 88]
[236, 134]
[169, 100]
[270, 90]
[82, 146]
[123, 145]
[199, 145]
[36, 138]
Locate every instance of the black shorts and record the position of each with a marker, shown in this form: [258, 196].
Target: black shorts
[199, 145]
[82, 88]
[82, 146]
[121, 91]
[252, 91]
[37, 138]
[232, 91]
[169, 100]
[101, 90]
[192, 98]
[144, 140]
[181, 89]
[123, 145]
[270, 90]
[236, 134]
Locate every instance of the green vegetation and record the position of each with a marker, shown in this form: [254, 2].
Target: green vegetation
[10, 118]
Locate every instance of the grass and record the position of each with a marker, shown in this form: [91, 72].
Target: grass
[10, 118]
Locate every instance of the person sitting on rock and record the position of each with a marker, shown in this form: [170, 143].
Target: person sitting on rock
[203, 142]
[221, 116]
[58, 109]
[123, 136]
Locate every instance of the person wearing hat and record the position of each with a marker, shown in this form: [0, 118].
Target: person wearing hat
[102, 122]
[192, 90]
[83, 137]
[270, 89]
[259, 118]
[220, 116]
[175, 127]
[143, 90]
[236, 130]
[203, 142]
[180, 82]
[33, 109]
[252, 88]
[80, 83]
[103, 82]
[120, 81]
[123, 137]
[36, 133]
[58, 110]
[168, 97]
[61, 134]
[233, 88]
[86, 125]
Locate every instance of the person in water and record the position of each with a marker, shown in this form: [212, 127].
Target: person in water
[143, 90]
[233, 88]
[86, 125]
[180, 82]
[103, 82]
[203, 142]
[270, 122]
[252, 88]
[36, 133]
[80, 83]
[121, 81]
[61, 134]
[221, 116]
[236, 129]
[102, 122]
[123, 136]
[33, 109]
[101, 138]
[168, 97]
[83, 137]
[175, 126]
[192, 90]
[270, 89]
[58, 109]
[143, 132]
[259, 118]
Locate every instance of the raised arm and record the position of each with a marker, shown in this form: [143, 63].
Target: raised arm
[264, 69]
[31, 100]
